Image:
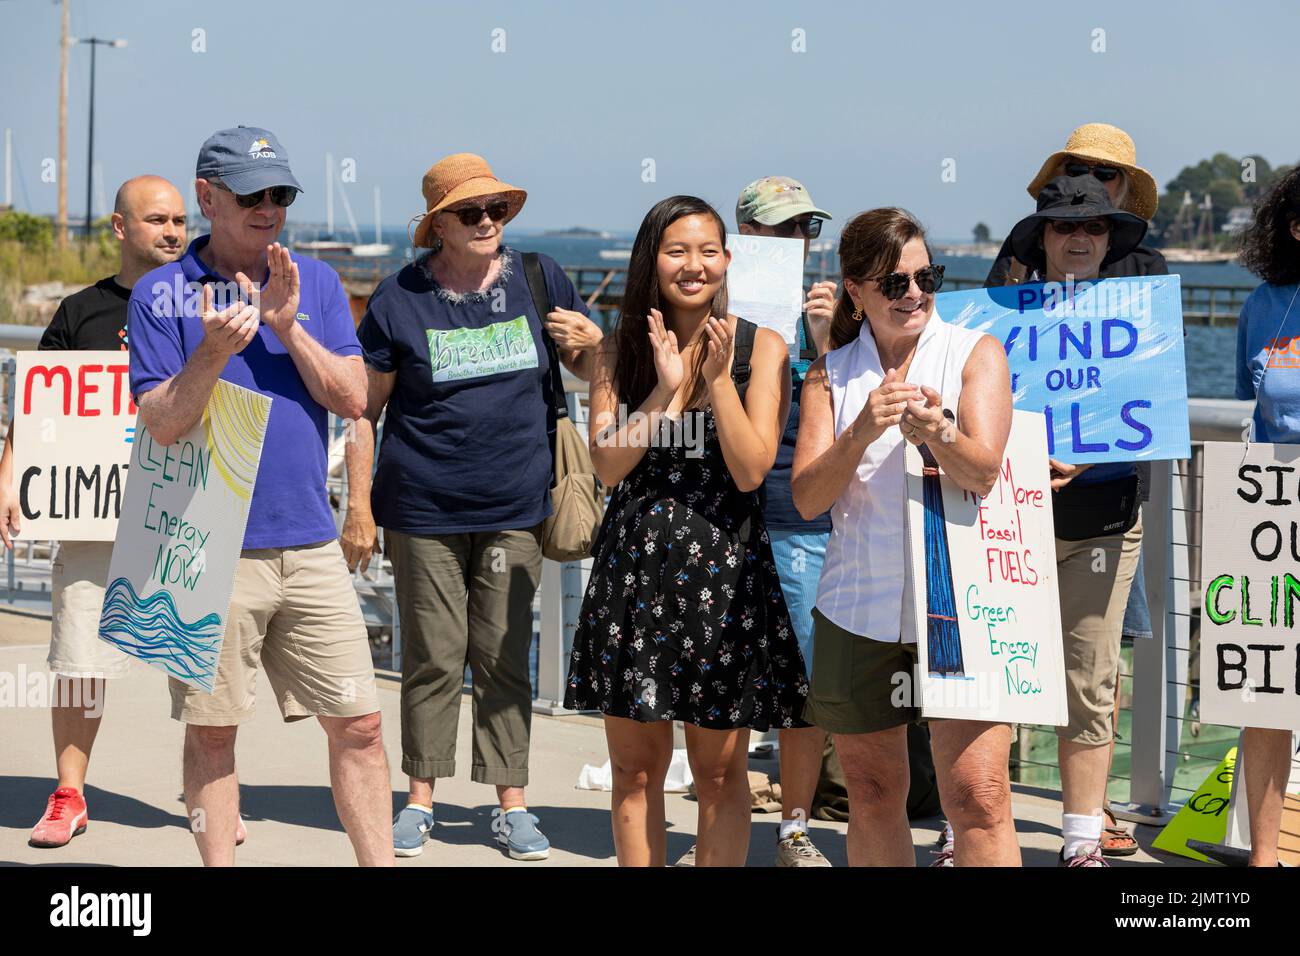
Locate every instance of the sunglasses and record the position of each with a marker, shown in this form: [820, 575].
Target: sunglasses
[1068, 227]
[473, 215]
[809, 228]
[895, 285]
[1103, 173]
[280, 195]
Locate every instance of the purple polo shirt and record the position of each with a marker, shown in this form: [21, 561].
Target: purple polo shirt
[289, 506]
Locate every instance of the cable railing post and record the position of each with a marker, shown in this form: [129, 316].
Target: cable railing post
[1154, 666]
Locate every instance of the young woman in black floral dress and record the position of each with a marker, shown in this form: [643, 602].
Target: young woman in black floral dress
[683, 616]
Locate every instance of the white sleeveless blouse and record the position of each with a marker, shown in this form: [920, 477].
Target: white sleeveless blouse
[866, 573]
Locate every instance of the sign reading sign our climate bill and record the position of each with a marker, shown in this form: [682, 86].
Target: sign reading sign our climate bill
[1250, 571]
[1102, 361]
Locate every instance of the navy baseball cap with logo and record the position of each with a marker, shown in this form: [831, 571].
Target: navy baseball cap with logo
[247, 159]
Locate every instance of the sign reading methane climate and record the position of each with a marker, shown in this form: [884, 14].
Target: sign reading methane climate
[178, 542]
[988, 621]
[74, 423]
[1102, 361]
[1250, 572]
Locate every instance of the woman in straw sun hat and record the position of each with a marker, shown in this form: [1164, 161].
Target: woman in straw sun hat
[1107, 154]
[458, 354]
[1077, 232]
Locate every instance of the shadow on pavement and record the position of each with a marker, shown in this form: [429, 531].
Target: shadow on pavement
[25, 797]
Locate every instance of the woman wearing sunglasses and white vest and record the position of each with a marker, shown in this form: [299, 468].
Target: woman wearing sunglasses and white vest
[897, 372]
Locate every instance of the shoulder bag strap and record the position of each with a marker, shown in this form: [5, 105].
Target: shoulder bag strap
[542, 303]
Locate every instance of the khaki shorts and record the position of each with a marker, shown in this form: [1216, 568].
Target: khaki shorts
[855, 687]
[294, 611]
[1094, 577]
[77, 597]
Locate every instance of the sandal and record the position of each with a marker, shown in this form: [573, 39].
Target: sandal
[1115, 840]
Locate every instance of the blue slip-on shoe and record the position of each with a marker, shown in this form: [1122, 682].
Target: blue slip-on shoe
[517, 832]
[411, 829]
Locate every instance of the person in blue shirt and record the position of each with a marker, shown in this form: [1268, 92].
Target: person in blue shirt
[1268, 372]
[780, 206]
[460, 362]
[239, 308]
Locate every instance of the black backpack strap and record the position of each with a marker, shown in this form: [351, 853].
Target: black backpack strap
[808, 350]
[741, 352]
[542, 303]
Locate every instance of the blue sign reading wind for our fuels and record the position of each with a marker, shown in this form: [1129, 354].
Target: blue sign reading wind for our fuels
[1102, 360]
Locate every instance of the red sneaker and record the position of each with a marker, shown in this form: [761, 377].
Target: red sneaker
[65, 817]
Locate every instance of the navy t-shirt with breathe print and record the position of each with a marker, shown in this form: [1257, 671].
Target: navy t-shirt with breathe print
[465, 445]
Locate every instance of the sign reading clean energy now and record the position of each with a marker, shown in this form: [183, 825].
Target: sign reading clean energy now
[1250, 573]
[1102, 361]
[73, 426]
[179, 538]
[988, 619]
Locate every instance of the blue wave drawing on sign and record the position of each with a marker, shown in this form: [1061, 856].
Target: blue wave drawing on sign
[152, 630]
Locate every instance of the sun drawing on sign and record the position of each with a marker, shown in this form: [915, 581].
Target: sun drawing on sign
[233, 425]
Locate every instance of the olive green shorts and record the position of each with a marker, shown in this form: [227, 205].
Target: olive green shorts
[859, 685]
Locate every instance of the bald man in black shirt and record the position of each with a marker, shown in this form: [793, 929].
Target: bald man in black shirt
[149, 223]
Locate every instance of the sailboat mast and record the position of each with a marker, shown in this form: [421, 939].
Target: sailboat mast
[329, 195]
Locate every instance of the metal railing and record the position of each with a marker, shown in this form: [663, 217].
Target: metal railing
[601, 286]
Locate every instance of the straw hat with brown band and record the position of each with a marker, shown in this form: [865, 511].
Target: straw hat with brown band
[455, 178]
[1107, 145]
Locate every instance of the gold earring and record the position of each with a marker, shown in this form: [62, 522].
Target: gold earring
[857, 314]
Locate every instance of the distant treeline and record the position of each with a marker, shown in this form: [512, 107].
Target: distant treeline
[1231, 183]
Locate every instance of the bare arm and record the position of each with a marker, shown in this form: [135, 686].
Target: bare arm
[616, 449]
[359, 539]
[338, 382]
[171, 408]
[970, 452]
[823, 463]
[750, 433]
[577, 339]
[10, 513]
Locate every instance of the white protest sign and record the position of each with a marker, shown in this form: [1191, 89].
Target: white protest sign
[178, 542]
[73, 426]
[983, 571]
[765, 282]
[1250, 572]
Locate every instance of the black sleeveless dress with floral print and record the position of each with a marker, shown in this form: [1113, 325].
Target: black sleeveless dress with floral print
[683, 617]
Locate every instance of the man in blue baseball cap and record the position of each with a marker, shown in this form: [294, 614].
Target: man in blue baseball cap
[279, 325]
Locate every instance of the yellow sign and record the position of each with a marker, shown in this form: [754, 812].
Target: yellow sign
[1204, 817]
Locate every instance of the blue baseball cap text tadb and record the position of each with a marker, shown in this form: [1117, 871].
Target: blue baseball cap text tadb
[247, 159]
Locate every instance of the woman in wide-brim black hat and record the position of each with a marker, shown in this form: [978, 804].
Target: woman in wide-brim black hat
[1078, 200]
[1075, 233]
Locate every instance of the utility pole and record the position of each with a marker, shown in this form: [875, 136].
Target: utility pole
[61, 233]
[9, 176]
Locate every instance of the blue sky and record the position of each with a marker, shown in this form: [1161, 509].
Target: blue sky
[712, 92]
